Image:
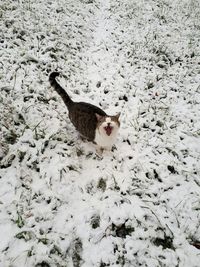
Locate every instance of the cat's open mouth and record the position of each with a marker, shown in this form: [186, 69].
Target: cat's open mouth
[108, 130]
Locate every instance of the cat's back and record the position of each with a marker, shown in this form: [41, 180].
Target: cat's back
[86, 108]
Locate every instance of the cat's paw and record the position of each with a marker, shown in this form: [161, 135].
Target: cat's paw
[99, 152]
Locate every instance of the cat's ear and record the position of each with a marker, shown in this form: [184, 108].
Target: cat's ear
[118, 115]
[99, 117]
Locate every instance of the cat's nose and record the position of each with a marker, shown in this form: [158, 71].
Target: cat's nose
[108, 123]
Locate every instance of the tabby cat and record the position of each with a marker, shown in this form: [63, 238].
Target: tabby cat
[90, 121]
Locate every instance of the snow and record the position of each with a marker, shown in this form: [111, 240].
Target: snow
[60, 203]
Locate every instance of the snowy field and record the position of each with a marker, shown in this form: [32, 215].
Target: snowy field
[60, 204]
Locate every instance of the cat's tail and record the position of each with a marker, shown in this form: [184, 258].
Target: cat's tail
[65, 97]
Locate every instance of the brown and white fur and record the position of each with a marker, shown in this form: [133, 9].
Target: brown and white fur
[90, 121]
[106, 131]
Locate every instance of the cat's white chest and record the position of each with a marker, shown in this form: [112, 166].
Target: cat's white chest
[103, 140]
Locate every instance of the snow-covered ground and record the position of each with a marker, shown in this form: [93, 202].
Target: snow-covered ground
[60, 204]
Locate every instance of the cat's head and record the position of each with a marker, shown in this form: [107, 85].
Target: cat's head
[108, 125]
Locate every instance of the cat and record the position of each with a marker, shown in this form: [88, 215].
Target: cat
[89, 120]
